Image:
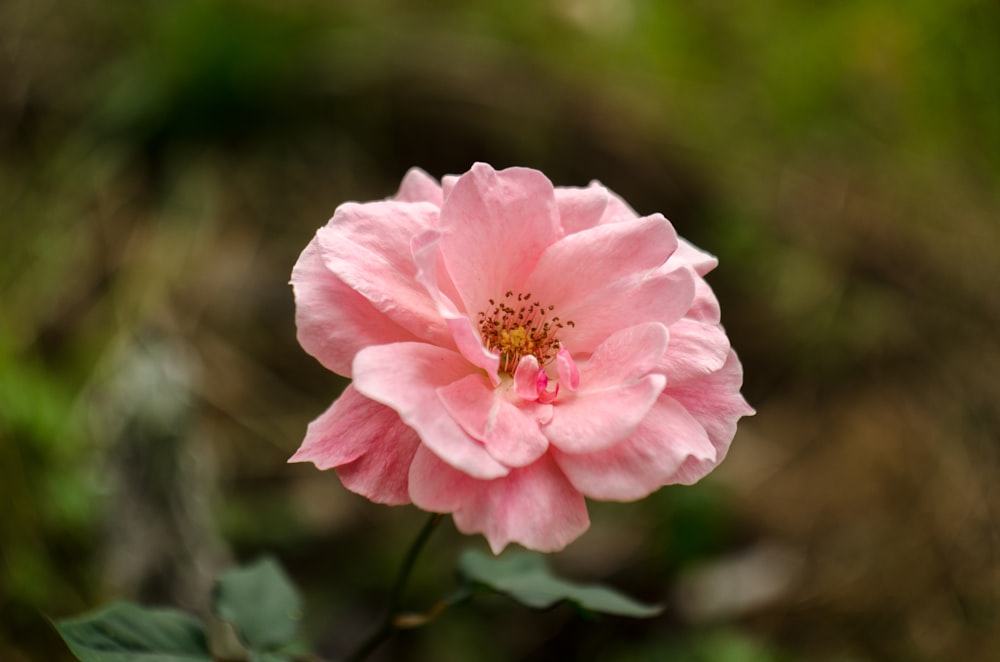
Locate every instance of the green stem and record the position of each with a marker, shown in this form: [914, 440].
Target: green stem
[386, 628]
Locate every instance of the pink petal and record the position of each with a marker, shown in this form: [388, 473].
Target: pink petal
[432, 274]
[617, 210]
[644, 462]
[438, 487]
[367, 443]
[569, 373]
[447, 184]
[382, 474]
[346, 430]
[368, 247]
[581, 208]
[595, 420]
[701, 261]
[333, 321]
[468, 401]
[418, 186]
[695, 349]
[624, 356]
[495, 225]
[531, 384]
[405, 377]
[526, 378]
[464, 334]
[510, 435]
[705, 306]
[543, 412]
[582, 264]
[615, 393]
[715, 402]
[535, 506]
[662, 296]
[546, 396]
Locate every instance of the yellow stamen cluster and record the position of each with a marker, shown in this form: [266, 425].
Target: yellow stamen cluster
[516, 327]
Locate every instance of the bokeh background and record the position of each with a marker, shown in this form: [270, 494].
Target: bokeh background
[162, 163]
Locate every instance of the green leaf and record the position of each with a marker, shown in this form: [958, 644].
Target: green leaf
[124, 632]
[526, 577]
[261, 603]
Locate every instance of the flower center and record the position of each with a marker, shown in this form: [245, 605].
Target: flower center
[517, 326]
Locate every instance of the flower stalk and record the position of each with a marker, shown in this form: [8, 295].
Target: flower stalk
[389, 625]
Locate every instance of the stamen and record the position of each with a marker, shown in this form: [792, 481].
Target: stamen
[517, 332]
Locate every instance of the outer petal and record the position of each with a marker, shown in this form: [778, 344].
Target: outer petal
[382, 474]
[333, 321]
[695, 349]
[447, 184]
[705, 306]
[614, 395]
[588, 262]
[418, 186]
[368, 247]
[368, 444]
[406, 376]
[617, 210]
[581, 208]
[347, 430]
[649, 459]
[535, 506]
[495, 225]
[701, 261]
[715, 402]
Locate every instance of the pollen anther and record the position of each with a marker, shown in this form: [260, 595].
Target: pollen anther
[517, 332]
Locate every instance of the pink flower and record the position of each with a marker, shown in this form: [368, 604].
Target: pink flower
[515, 348]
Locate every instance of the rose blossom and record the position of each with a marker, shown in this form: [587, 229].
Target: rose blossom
[514, 348]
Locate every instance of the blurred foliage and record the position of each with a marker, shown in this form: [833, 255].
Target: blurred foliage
[162, 163]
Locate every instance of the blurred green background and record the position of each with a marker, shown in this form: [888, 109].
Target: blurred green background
[162, 163]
